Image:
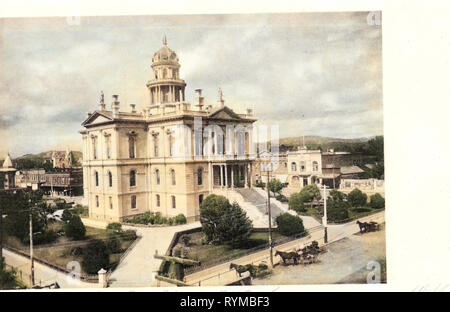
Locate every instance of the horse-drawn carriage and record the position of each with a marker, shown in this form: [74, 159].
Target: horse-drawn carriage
[306, 255]
[365, 227]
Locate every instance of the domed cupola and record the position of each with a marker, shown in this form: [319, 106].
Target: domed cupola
[165, 85]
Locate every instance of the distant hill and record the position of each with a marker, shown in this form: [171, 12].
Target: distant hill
[40, 160]
[317, 140]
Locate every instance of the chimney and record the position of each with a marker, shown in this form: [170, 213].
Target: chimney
[221, 101]
[200, 99]
[133, 108]
[116, 106]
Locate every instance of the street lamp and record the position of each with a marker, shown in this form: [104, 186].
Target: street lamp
[324, 219]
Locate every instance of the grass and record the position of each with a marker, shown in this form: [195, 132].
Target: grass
[212, 254]
[58, 253]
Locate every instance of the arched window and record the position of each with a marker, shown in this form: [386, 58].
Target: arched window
[132, 146]
[110, 178]
[133, 178]
[200, 200]
[200, 176]
[315, 166]
[158, 178]
[302, 166]
[133, 201]
[293, 166]
[164, 73]
[172, 176]
[174, 203]
[158, 201]
[96, 178]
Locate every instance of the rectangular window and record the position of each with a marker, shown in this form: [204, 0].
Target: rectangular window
[110, 203]
[155, 146]
[132, 146]
[174, 203]
[94, 147]
[96, 201]
[108, 147]
[158, 201]
[133, 201]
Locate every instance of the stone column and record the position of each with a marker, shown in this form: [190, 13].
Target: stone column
[221, 176]
[232, 176]
[246, 176]
[210, 175]
[226, 176]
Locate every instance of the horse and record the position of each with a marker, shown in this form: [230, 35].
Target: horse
[241, 268]
[363, 226]
[288, 256]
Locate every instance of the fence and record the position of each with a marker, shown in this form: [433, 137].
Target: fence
[247, 252]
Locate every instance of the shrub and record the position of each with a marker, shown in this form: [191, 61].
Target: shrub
[45, 237]
[281, 198]
[180, 219]
[260, 184]
[356, 198]
[75, 228]
[377, 201]
[66, 215]
[296, 203]
[113, 245]
[289, 225]
[129, 235]
[115, 227]
[95, 257]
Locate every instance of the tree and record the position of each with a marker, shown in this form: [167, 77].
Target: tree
[223, 222]
[376, 147]
[234, 227]
[75, 228]
[289, 225]
[310, 193]
[296, 203]
[275, 186]
[306, 195]
[95, 257]
[211, 211]
[377, 201]
[356, 198]
[337, 206]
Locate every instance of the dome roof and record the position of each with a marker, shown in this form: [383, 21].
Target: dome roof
[165, 55]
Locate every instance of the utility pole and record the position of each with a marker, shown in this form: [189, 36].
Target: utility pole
[31, 246]
[270, 218]
[324, 221]
[1, 227]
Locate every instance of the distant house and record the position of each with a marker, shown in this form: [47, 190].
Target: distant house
[62, 160]
[7, 175]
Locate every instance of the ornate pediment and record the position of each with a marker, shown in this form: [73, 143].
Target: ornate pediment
[97, 118]
[224, 113]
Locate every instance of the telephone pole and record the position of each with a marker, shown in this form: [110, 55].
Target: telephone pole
[31, 247]
[324, 220]
[270, 218]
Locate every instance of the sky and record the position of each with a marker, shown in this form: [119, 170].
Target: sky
[308, 73]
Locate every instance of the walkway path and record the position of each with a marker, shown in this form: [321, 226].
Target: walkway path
[139, 267]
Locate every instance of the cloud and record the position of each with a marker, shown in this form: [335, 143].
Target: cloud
[316, 73]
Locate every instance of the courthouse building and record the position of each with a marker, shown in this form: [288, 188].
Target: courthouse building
[167, 157]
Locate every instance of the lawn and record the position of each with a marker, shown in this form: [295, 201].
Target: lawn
[214, 254]
[60, 252]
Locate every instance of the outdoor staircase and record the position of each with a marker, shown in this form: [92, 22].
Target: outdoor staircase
[254, 203]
